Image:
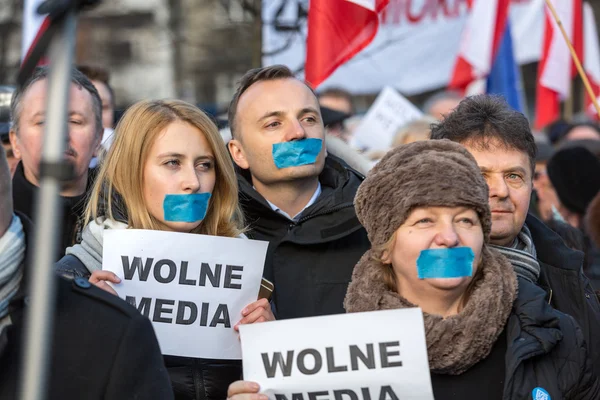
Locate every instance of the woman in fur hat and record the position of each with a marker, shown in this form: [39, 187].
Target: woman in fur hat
[490, 335]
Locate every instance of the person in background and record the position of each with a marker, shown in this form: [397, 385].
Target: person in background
[161, 148]
[337, 99]
[575, 174]
[6, 93]
[501, 142]
[302, 205]
[414, 131]
[582, 131]
[100, 77]
[489, 334]
[28, 109]
[441, 104]
[544, 195]
[101, 347]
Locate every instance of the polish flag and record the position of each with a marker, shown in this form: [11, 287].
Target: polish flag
[591, 51]
[480, 41]
[556, 69]
[337, 31]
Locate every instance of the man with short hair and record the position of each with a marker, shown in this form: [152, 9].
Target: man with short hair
[28, 109]
[337, 99]
[301, 203]
[501, 141]
[101, 347]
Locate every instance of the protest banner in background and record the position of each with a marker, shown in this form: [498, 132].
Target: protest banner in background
[415, 48]
[192, 287]
[378, 355]
[389, 112]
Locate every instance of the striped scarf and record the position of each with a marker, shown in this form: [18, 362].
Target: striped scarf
[522, 255]
[12, 254]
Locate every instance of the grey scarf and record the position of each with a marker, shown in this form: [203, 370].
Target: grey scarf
[12, 254]
[522, 255]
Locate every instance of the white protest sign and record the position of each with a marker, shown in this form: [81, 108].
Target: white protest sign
[192, 287]
[378, 355]
[389, 112]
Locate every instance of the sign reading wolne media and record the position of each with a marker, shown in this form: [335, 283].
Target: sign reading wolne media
[378, 355]
[192, 287]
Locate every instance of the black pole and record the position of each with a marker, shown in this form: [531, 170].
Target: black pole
[48, 211]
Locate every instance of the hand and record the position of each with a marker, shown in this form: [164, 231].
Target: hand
[259, 311]
[99, 279]
[244, 390]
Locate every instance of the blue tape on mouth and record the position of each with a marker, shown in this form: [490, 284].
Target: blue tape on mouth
[456, 262]
[296, 152]
[185, 207]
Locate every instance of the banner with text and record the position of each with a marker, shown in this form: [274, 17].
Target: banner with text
[192, 287]
[415, 47]
[378, 355]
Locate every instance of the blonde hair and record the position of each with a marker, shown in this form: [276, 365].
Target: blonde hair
[414, 131]
[121, 172]
[382, 255]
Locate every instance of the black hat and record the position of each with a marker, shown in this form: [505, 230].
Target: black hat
[331, 116]
[544, 151]
[575, 174]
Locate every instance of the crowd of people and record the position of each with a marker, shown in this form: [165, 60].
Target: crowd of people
[345, 231]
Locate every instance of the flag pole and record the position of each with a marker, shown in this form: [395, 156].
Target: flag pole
[580, 70]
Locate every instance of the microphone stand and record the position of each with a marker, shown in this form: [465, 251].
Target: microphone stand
[59, 37]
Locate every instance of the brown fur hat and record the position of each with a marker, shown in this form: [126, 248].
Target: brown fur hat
[592, 220]
[430, 173]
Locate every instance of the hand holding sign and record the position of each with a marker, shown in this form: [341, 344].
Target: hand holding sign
[190, 286]
[244, 390]
[100, 279]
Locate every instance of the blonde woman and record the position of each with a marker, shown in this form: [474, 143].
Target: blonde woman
[164, 148]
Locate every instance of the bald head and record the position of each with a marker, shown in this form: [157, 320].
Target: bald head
[6, 202]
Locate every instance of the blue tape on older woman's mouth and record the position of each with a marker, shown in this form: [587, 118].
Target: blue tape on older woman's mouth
[296, 152]
[186, 207]
[456, 262]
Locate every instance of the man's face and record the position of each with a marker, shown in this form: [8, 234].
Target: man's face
[82, 140]
[336, 103]
[272, 112]
[509, 178]
[108, 111]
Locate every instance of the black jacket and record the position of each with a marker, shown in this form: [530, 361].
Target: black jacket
[25, 196]
[539, 348]
[567, 288]
[546, 349]
[102, 348]
[191, 378]
[310, 262]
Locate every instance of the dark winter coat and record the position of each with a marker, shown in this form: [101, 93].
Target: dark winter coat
[102, 348]
[191, 378]
[24, 197]
[310, 261]
[568, 289]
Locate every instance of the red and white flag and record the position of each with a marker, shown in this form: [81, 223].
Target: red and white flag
[480, 41]
[337, 31]
[556, 68]
[591, 51]
[33, 26]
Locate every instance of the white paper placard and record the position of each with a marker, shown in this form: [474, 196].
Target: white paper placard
[192, 287]
[375, 355]
[389, 112]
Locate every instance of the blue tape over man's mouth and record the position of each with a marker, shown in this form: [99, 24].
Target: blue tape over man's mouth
[296, 152]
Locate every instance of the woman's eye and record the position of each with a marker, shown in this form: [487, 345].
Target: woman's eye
[205, 166]
[467, 221]
[424, 221]
[172, 163]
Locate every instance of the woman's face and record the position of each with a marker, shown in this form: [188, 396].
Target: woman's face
[434, 228]
[179, 162]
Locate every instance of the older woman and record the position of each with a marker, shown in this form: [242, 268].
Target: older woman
[489, 334]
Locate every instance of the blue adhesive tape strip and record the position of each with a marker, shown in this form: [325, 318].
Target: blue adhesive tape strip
[185, 207]
[296, 152]
[456, 262]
